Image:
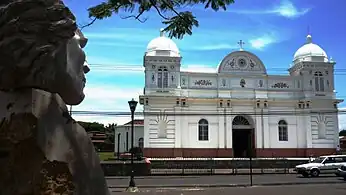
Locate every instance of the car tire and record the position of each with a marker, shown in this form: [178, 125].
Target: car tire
[305, 174]
[314, 173]
[344, 178]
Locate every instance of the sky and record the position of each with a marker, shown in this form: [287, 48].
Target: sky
[271, 29]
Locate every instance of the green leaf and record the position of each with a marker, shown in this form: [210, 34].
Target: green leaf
[177, 26]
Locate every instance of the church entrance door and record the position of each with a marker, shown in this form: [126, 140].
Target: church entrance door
[243, 138]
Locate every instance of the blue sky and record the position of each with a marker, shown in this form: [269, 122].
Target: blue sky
[271, 29]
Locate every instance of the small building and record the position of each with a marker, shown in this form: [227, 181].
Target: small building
[122, 136]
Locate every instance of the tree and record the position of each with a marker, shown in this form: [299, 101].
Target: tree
[94, 126]
[177, 26]
[110, 132]
[342, 132]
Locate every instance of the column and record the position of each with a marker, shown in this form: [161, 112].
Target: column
[259, 130]
[221, 129]
[185, 132]
[229, 118]
[146, 133]
[177, 133]
[307, 125]
[266, 129]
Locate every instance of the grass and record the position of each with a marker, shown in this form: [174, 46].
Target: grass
[105, 155]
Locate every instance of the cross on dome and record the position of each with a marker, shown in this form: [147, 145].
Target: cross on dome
[241, 43]
[309, 39]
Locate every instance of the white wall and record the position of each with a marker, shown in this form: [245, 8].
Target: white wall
[138, 133]
[182, 130]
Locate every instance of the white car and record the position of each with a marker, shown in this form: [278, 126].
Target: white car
[322, 165]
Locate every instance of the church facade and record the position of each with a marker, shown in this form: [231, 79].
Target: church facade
[239, 110]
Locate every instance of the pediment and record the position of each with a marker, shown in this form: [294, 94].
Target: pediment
[242, 62]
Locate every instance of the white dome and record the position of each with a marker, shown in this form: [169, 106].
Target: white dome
[162, 46]
[310, 52]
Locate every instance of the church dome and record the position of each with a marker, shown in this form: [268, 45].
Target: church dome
[162, 46]
[310, 52]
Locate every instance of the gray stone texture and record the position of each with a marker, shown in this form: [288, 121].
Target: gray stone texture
[42, 149]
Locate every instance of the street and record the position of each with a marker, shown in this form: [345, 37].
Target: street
[219, 180]
[315, 189]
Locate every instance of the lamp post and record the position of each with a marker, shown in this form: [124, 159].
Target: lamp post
[70, 110]
[132, 184]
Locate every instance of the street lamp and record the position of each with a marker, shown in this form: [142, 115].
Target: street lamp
[132, 184]
[70, 110]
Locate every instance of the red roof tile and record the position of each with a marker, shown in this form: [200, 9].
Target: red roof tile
[136, 122]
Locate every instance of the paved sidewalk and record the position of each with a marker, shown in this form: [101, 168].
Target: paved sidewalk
[222, 181]
[322, 189]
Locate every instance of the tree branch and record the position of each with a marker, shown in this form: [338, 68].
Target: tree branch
[170, 7]
[136, 17]
[158, 10]
[90, 23]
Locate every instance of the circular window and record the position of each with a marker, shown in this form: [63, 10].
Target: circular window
[241, 62]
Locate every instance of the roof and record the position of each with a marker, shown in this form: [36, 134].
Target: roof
[310, 49]
[162, 46]
[136, 122]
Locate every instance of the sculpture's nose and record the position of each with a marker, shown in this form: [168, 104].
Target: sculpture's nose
[86, 69]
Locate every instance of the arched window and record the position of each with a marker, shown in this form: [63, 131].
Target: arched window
[203, 132]
[162, 77]
[283, 132]
[141, 142]
[319, 81]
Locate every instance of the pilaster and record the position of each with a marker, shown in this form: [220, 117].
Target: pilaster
[178, 129]
[221, 129]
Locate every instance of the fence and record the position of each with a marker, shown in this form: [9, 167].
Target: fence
[214, 166]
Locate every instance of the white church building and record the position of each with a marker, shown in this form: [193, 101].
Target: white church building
[239, 110]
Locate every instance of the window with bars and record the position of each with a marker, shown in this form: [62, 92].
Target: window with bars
[162, 77]
[283, 130]
[319, 81]
[203, 130]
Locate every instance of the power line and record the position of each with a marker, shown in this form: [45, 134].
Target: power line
[206, 113]
[140, 68]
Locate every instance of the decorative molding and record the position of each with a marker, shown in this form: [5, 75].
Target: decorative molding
[203, 82]
[153, 78]
[162, 124]
[260, 83]
[183, 81]
[223, 82]
[280, 85]
[242, 83]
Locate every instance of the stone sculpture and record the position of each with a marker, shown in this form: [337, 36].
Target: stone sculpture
[42, 149]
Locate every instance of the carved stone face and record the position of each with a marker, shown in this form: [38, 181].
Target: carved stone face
[76, 68]
[41, 52]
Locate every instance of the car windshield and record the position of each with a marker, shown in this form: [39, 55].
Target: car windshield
[318, 160]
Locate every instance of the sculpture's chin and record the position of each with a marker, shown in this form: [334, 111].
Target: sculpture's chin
[73, 100]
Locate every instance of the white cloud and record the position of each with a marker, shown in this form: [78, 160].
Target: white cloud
[101, 100]
[286, 9]
[263, 41]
